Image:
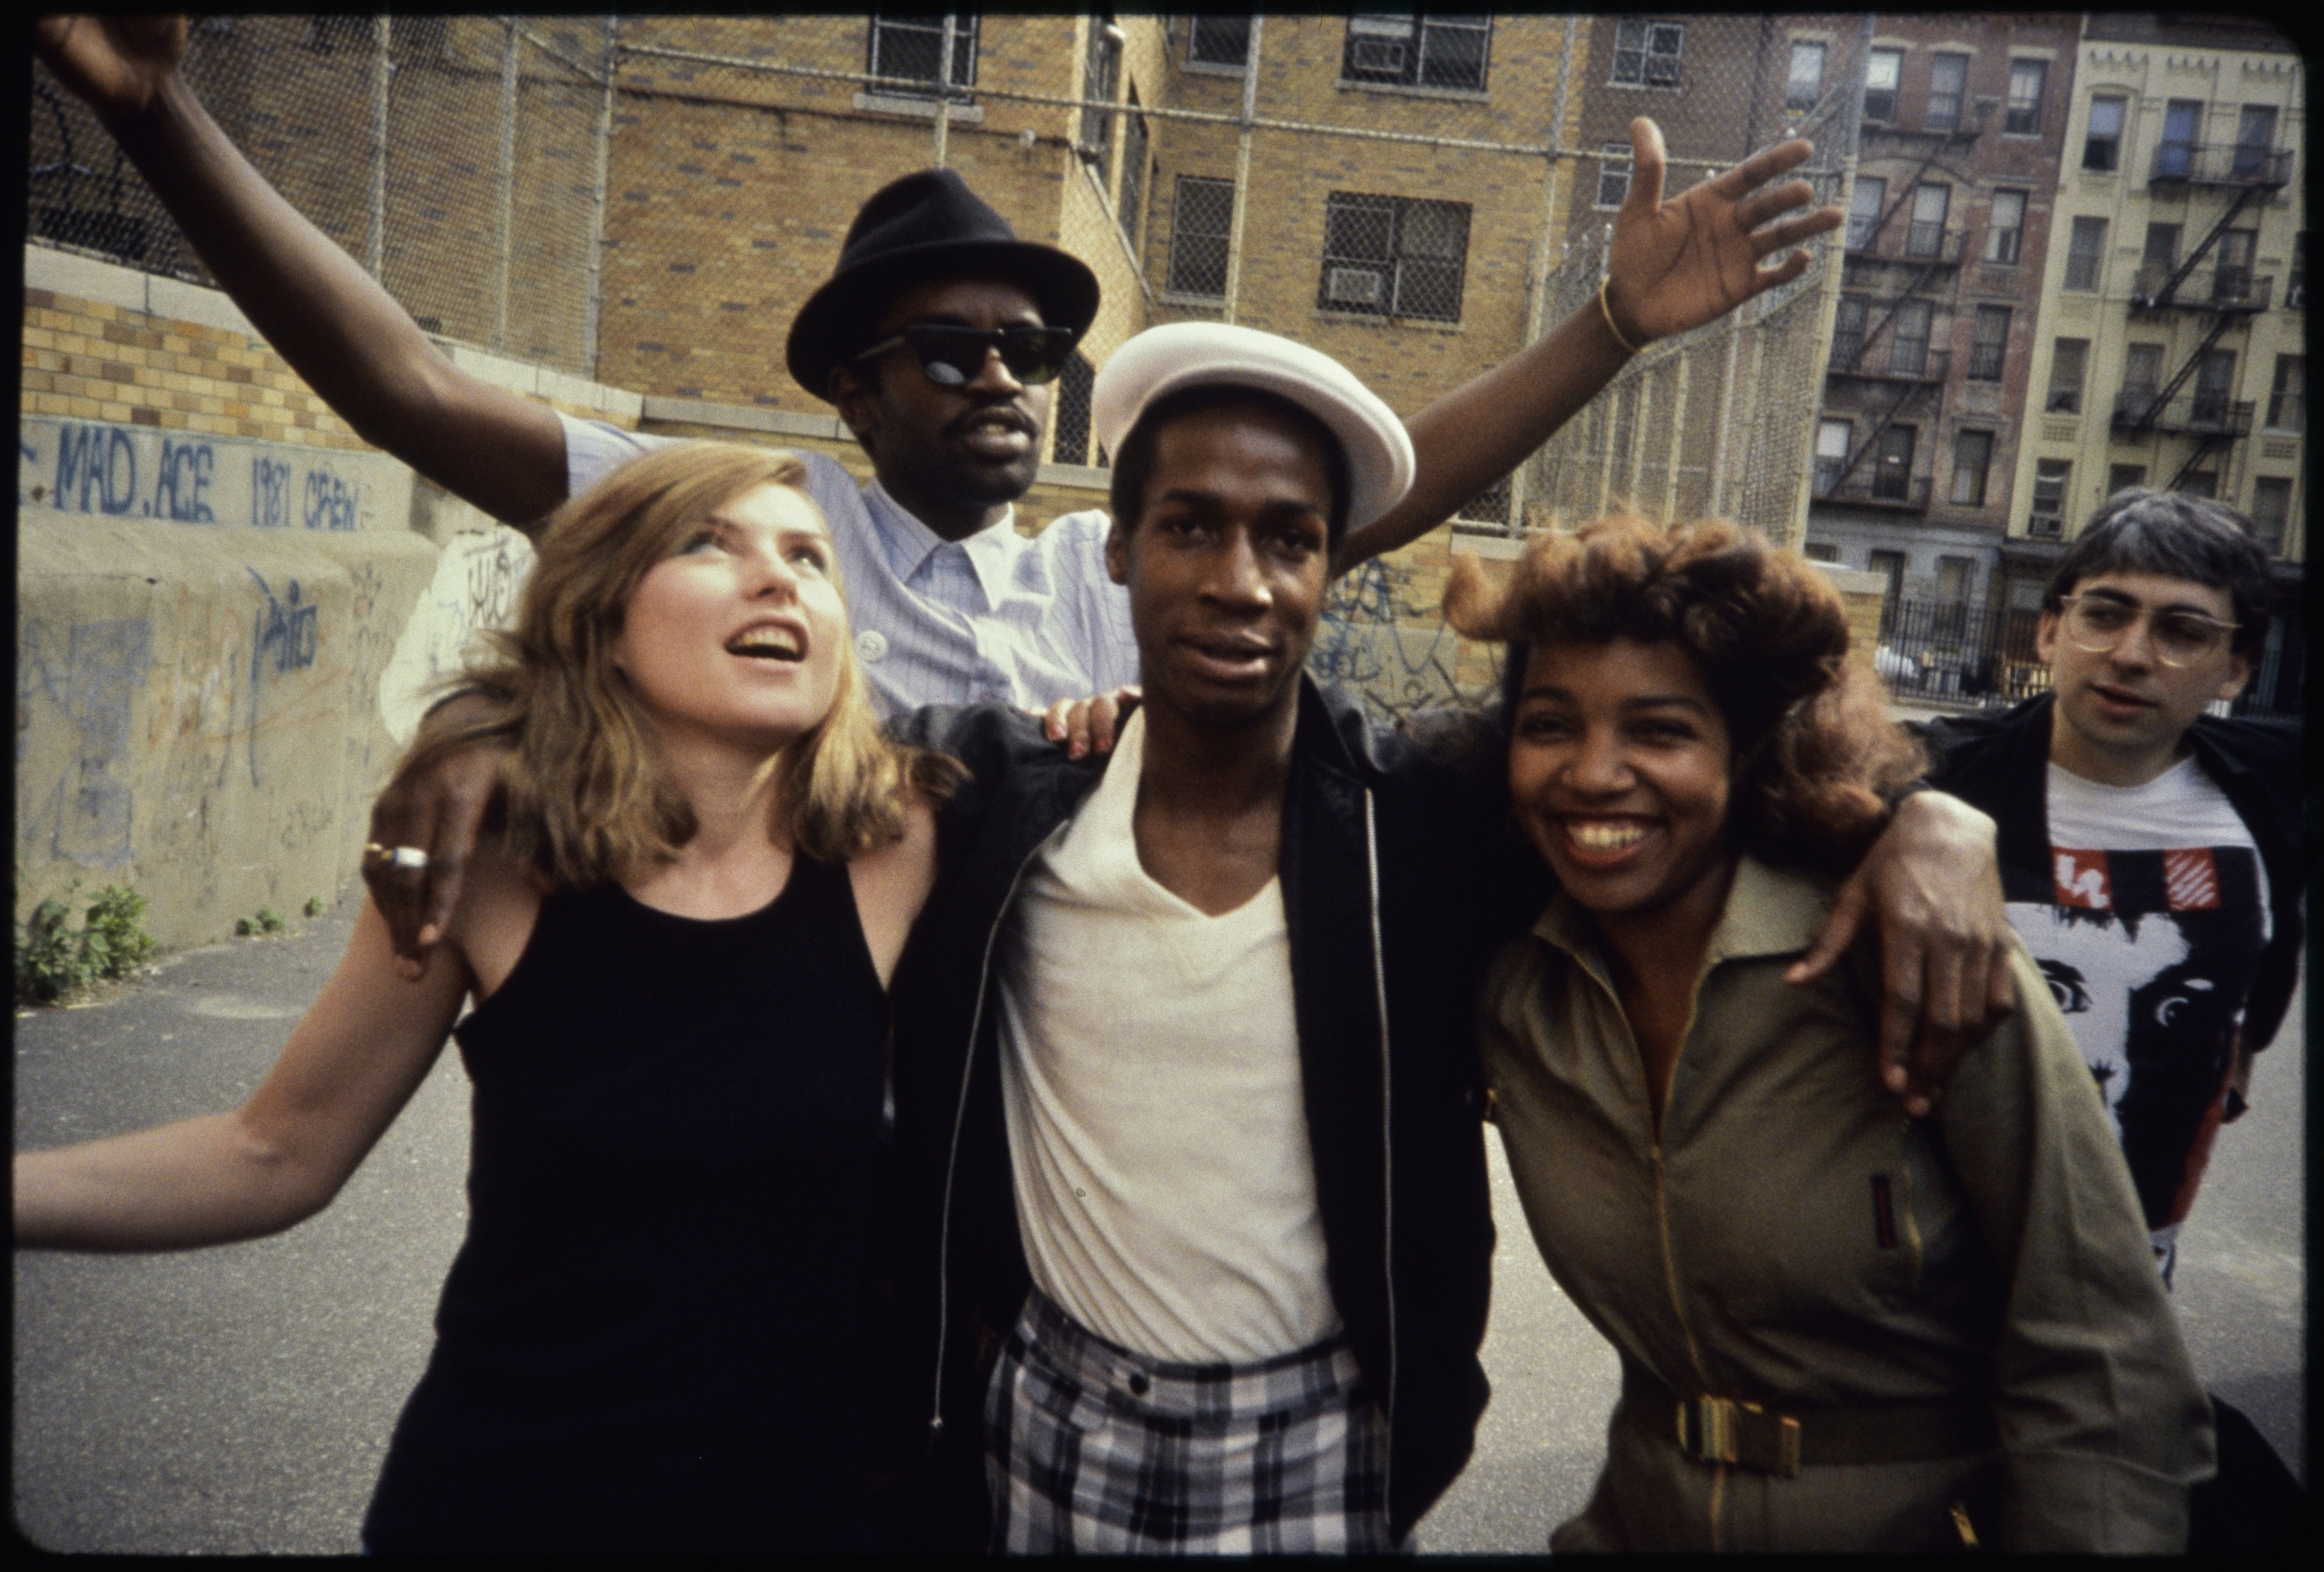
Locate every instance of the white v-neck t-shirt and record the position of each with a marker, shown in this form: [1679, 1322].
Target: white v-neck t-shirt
[1165, 1190]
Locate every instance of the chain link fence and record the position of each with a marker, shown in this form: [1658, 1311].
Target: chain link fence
[461, 159]
[465, 161]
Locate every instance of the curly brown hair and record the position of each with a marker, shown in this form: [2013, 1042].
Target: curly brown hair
[1815, 754]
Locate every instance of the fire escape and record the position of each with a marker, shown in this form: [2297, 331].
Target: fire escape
[1929, 250]
[2226, 292]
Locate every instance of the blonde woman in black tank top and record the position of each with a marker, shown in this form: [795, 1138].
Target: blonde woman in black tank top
[679, 948]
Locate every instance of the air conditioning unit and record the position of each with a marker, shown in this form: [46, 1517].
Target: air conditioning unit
[1353, 286]
[1382, 55]
[2045, 526]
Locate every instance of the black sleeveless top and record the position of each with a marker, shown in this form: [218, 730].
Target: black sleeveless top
[653, 1337]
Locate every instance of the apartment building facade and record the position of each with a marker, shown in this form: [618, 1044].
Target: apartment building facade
[1949, 221]
[2172, 350]
[1408, 259]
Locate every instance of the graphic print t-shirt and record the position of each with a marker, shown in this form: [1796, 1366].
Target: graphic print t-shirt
[2149, 937]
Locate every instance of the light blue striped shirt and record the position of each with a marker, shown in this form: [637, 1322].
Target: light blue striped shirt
[996, 618]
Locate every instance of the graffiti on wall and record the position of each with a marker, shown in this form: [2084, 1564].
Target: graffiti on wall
[135, 472]
[479, 574]
[1381, 641]
[86, 675]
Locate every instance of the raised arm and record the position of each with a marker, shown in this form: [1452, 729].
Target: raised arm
[1674, 265]
[346, 336]
[348, 1069]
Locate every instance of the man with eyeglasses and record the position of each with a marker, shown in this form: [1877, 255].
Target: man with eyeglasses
[2153, 860]
[937, 338]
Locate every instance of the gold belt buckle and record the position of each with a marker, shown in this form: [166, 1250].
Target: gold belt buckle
[1719, 1429]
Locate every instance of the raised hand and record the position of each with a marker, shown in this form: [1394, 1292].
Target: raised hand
[1676, 265]
[116, 64]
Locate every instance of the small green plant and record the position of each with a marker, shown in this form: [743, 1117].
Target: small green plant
[55, 958]
[268, 920]
[314, 905]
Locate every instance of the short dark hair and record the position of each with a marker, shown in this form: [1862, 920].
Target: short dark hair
[2178, 536]
[1133, 467]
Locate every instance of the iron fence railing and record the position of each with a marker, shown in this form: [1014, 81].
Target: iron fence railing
[2225, 288]
[2219, 164]
[2206, 413]
[1952, 653]
[1901, 491]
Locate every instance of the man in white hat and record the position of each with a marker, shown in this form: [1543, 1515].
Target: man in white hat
[1195, 1233]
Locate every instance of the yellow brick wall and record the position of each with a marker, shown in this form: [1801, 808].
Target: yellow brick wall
[92, 360]
[86, 360]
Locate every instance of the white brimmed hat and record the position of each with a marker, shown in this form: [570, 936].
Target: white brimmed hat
[1183, 355]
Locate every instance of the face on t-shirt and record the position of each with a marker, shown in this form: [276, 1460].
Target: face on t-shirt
[2149, 937]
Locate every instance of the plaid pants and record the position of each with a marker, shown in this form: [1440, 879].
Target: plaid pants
[1089, 1448]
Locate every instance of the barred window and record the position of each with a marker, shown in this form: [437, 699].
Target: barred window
[2004, 227]
[1646, 53]
[1991, 344]
[1070, 424]
[2085, 250]
[1130, 206]
[2102, 142]
[1417, 50]
[1948, 81]
[1201, 216]
[1613, 174]
[1219, 41]
[1805, 83]
[1972, 459]
[912, 48]
[1882, 69]
[1908, 338]
[1394, 256]
[2025, 82]
[1100, 81]
[2069, 360]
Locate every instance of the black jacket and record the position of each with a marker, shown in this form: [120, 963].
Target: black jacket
[2000, 764]
[1399, 876]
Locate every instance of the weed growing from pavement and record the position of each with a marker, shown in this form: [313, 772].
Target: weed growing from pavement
[56, 959]
[314, 905]
[268, 920]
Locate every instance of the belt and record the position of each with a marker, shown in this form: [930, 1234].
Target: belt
[1718, 1430]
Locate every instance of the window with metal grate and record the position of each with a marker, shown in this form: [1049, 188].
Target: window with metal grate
[1394, 256]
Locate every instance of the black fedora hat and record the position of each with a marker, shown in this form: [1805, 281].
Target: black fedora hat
[925, 226]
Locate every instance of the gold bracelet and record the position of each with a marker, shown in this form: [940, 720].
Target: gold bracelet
[1607, 311]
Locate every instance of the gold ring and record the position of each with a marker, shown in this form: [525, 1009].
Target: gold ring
[374, 849]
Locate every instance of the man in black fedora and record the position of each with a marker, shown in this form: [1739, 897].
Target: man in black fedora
[936, 337]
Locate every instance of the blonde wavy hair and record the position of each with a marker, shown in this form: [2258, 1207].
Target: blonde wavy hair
[584, 800]
[1816, 757]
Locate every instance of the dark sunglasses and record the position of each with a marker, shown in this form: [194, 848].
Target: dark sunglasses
[954, 356]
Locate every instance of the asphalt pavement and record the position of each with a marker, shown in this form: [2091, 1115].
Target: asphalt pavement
[239, 1400]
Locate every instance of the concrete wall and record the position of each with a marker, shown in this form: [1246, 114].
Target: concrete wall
[229, 610]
